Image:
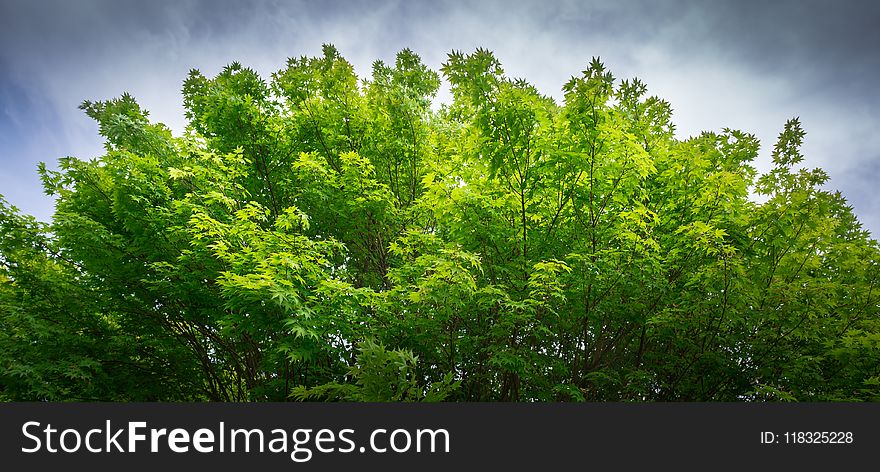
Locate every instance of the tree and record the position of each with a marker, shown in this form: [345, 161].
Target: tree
[319, 236]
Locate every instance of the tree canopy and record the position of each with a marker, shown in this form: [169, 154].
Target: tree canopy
[318, 236]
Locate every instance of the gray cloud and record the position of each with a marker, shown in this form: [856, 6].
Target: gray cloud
[743, 64]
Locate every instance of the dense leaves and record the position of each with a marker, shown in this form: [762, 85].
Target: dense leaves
[323, 237]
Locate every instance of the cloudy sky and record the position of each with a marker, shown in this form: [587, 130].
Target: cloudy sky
[740, 64]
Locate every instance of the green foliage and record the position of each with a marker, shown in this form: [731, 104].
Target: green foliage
[319, 236]
[380, 375]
